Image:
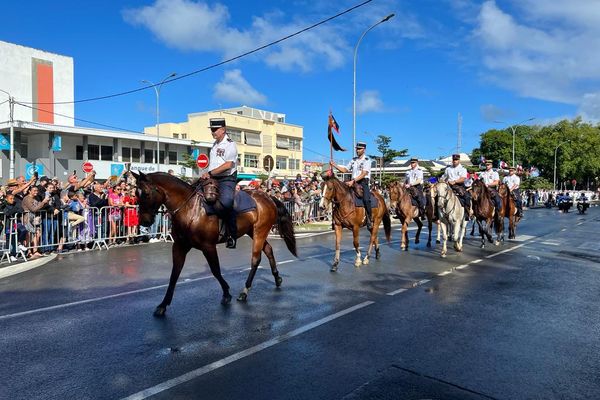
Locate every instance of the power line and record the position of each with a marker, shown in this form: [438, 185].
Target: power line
[213, 65]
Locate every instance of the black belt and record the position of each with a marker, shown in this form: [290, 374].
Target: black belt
[232, 177]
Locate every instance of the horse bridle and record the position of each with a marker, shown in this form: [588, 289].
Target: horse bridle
[446, 199]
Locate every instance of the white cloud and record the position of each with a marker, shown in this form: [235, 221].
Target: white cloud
[235, 89]
[369, 101]
[589, 108]
[544, 50]
[491, 112]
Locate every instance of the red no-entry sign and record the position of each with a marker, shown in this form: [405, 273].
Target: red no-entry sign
[202, 161]
[87, 167]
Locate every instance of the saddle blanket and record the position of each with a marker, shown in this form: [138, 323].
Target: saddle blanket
[359, 203]
[242, 202]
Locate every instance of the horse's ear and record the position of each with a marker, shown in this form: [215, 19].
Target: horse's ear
[136, 176]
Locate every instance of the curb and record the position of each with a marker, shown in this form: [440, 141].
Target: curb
[25, 266]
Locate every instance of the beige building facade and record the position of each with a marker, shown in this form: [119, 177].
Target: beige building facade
[264, 139]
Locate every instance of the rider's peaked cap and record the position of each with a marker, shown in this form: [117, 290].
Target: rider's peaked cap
[414, 159]
[361, 145]
[511, 167]
[216, 123]
[456, 156]
[488, 162]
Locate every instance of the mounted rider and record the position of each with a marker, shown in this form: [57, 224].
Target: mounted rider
[414, 183]
[492, 180]
[222, 168]
[360, 166]
[513, 182]
[455, 175]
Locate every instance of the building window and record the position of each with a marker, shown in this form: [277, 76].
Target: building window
[240, 113]
[253, 139]
[149, 156]
[281, 162]
[176, 136]
[79, 152]
[235, 135]
[24, 146]
[135, 155]
[106, 153]
[251, 160]
[282, 142]
[126, 154]
[294, 164]
[280, 119]
[173, 157]
[161, 157]
[93, 152]
[184, 135]
[295, 143]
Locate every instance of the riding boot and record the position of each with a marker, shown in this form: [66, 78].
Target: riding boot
[369, 217]
[231, 230]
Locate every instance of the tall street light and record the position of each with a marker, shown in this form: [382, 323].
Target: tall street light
[354, 79]
[11, 107]
[513, 128]
[157, 91]
[555, 152]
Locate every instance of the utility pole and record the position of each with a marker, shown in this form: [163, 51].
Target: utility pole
[458, 141]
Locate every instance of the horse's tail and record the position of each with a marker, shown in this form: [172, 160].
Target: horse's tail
[387, 225]
[285, 226]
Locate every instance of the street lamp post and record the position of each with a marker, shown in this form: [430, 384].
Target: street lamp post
[555, 153]
[354, 78]
[11, 105]
[513, 128]
[157, 91]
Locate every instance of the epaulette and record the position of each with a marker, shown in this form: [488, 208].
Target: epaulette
[354, 158]
[229, 139]
[366, 158]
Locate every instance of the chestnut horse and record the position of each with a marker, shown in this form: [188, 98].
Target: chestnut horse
[347, 215]
[401, 203]
[485, 213]
[193, 227]
[509, 210]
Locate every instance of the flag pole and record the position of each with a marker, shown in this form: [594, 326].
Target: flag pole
[330, 133]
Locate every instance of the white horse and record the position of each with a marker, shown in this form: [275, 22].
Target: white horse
[451, 213]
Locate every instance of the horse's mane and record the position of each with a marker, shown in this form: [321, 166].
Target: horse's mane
[159, 177]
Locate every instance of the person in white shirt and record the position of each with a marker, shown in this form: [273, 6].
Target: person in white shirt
[222, 167]
[360, 167]
[414, 182]
[492, 180]
[513, 182]
[455, 175]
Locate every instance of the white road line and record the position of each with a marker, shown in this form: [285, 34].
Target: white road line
[445, 273]
[422, 282]
[550, 243]
[395, 292]
[462, 266]
[285, 262]
[112, 296]
[563, 229]
[506, 251]
[476, 261]
[239, 355]
[579, 223]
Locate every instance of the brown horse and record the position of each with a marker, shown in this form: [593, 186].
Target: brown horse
[193, 227]
[401, 202]
[485, 213]
[509, 210]
[347, 215]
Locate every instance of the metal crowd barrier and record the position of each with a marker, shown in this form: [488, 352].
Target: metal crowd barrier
[306, 213]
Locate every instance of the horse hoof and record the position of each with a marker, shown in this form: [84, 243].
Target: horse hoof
[483, 246]
[497, 243]
[366, 261]
[443, 255]
[437, 242]
[377, 254]
[416, 241]
[357, 263]
[334, 268]
[278, 281]
[242, 297]
[226, 299]
[160, 311]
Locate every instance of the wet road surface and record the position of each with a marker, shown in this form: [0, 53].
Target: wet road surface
[508, 322]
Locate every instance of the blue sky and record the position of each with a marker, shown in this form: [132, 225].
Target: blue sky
[488, 60]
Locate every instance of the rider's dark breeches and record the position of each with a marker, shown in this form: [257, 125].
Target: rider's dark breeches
[518, 201]
[366, 196]
[226, 195]
[497, 200]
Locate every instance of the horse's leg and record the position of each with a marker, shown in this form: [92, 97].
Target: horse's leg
[511, 227]
[488, 231]
[419, 227]
[211, 255]
[372, 238]
[179, 252]
[461, 234]
[355, 242]
[480, 223]
[377, 250]
[473, 228]
[429, 227]
[437, 238]
[444, 233]
[258, 242]
[268, 250]
[338, 241]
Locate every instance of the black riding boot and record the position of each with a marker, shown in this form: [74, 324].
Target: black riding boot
[369, 216]
[231, 230]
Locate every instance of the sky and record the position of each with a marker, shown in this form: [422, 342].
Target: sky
[494, 60]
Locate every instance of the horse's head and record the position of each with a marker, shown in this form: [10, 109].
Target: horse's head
[150, 198]
[477, 190]
[327, 193]
[440, 190]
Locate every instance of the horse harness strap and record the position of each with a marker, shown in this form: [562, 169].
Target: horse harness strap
[185, 202]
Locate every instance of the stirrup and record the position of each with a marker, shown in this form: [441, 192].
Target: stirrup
[231, 242]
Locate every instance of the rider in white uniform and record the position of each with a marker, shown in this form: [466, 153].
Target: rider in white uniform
[360, 166]
[513, 182]
[455, 175]
[414, 182]
[492, 180]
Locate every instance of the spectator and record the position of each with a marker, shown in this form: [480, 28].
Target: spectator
[33, 219]
[114, 216]
[131, 219]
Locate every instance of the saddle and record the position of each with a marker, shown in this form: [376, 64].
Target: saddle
[358, 190]
[358, 201]
[242, 201]
[413, 196]
[460, 192]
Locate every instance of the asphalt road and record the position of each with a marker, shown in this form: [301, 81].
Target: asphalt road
[518, 321]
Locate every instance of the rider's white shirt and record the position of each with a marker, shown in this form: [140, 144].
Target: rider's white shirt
[512, 180]
[414, 177]
[489, 176]
[453, 173]
[222, 152]
[358, 165]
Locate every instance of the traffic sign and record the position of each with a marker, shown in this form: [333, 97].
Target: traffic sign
[268, 163]
[87, 167]
[202, 161]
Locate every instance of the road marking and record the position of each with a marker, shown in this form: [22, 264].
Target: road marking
[462, 266]
[112, 296]
[171, 383]
[550, 243]
[505, 251]
[421, 282]
[445, 273]
[563, 229]
[579, 223]
[285, 262]
[476, 261]
[395, 292]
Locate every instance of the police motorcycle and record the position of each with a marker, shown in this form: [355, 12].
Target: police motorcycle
[582, 204]
[564, 203]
